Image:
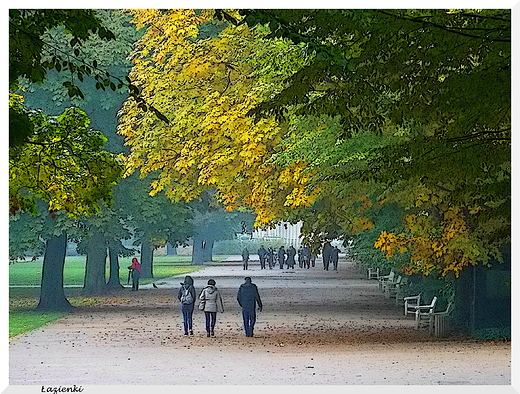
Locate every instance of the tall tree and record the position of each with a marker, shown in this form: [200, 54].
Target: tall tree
[212, 223]
[411, 104]
[153, 220]
[207, 89]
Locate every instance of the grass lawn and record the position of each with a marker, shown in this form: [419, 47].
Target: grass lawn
[22, 300]
[29, 273]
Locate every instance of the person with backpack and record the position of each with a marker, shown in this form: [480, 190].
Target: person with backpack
[186, 296]
[211, 303]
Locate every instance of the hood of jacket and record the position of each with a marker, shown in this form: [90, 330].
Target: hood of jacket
[210, 289]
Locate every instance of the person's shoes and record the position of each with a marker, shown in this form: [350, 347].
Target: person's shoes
[185, 334]
[208, 335]
[191, 332]
[212, 333]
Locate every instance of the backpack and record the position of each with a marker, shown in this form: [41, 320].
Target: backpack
[186, 296]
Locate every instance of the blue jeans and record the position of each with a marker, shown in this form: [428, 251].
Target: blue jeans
[211, 318]
[249, 316]
[187, 317]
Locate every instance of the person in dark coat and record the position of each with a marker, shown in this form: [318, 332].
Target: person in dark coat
[262, 255]
[291, 254]
[327, 254]
[281, 257]
[245, 258]
[305, 256]
[248, 297]
[334, 258]
[270, 257]
[187, 296]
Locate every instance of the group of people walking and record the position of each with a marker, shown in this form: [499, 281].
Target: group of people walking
[269, 258]
[210, 302]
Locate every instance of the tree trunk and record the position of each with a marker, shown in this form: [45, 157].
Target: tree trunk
[95, 279]
[202, 250]
[52, 295]
[170, 249]
[146, 259]
[114, 282]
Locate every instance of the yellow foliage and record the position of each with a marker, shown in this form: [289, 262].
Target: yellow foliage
[202, 87]
[448, 250]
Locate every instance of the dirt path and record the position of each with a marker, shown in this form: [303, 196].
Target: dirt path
[317, 328]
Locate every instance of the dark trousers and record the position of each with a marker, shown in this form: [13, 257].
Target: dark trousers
[249, 316]
[211, 318]
[135, 279]
[187, 317]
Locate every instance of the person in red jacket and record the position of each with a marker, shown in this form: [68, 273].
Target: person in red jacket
[136, 273]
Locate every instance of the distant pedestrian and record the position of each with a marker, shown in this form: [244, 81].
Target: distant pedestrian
[327, 254]
[211, 303]
[187, 295]
[262, 255]
[136, 273]
[245, 258]
[291, 254]
[281, 257]
[335, 257]
[305, 256]
[270, 257]
[248, 297]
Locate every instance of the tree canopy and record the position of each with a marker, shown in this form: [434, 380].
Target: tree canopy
[324, 115]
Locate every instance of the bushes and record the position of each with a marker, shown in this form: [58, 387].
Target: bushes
[498, 334]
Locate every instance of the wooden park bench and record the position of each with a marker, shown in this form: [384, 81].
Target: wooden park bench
[410, 303]
[385, 278]
[373, 273]
[421, 310]
[437, 322]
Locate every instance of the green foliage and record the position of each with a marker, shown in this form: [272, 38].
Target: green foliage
[26, 46]
[493, 334]
[24, 237]
[62, 163]
[154, 218]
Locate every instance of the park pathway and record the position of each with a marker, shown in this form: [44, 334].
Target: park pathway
[317, 328]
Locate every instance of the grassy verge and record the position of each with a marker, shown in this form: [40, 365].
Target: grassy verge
[25, 321]
[29, 273]
[23, 300]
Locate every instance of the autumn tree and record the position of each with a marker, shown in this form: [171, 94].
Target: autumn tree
[411, 106]
[206, 88]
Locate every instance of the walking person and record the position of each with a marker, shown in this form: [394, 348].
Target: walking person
[327, 254]
[187, 295]
[291, 254]
[245, 258]
[211, 303]
[270, 258]
[248, 298]
[281, 256]
[305, 255]
[334, 257]
[262, 255]
[136, 273]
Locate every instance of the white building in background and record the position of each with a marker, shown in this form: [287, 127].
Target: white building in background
[288, 232]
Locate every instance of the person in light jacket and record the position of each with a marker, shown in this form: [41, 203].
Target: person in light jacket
[212, 300]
